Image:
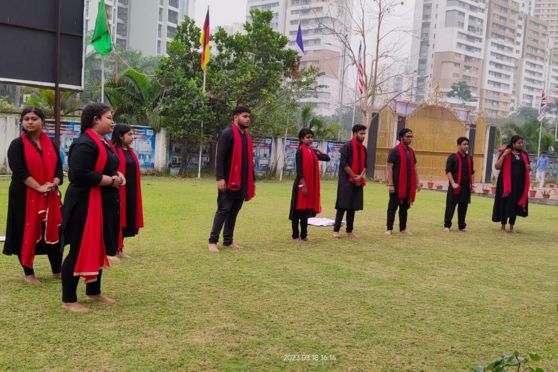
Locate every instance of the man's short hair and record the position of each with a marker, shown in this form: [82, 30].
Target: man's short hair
[403, 132]
[358, 128]
[460, 140]
[240, 110]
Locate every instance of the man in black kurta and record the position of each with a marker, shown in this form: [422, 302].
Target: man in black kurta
[350, 195]
[229, 202]
[459, 189]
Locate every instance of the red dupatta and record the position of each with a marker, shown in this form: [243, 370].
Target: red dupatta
[311, 175]
[457, 191]
[357, 163]
[122, 191]
[235, 173]
[506, 177]
[92, 252]
[404, 173]
[40, 207]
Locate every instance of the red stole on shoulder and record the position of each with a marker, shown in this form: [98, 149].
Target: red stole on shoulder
[122, 191]
[235, 173]
[40, 207]
[357, 163]
[507, 182]
[311, 175]
[92, 252]
[404, 173]
[457, 191]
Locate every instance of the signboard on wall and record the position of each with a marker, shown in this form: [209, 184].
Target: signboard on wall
[333, 151]
[291, 145]
[262, 155]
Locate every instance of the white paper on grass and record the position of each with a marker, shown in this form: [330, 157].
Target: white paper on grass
[315, 221]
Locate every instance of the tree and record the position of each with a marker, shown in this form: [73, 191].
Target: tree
[135, 98]
[529, 130]
[44, 99]
[321, 130]
[462, 91]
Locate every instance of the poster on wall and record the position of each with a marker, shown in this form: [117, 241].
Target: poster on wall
[68, 132]
[291, 145]
[333, 151]
[262, 155]
[144, 146]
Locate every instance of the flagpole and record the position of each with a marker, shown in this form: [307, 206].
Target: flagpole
[102, 79]
[355, 103]
[540, 137]
[201, 132]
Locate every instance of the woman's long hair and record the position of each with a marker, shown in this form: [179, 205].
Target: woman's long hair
[91, 112]
[117, 133]
[303, 133]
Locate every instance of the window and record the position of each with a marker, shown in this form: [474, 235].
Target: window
[455, 18]
[173, 3]
[172, 17]
[171, 31]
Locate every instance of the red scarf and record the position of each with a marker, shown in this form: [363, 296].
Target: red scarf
[506, 177]
[404, 173]
[40, 207]
[92, 252]
[235, 173]
[311, 175]
[457, 191]
[357, 163]
[122, 190]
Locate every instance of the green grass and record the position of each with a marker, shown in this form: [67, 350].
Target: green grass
[430, 301]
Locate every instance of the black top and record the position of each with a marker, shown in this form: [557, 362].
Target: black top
[452, 166]
[224, 158]
[349, 196]
[131, 196]
[507, 207]
[82, 157]
[393, 157]
[17, 196]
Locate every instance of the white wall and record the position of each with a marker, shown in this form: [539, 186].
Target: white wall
[9, 130]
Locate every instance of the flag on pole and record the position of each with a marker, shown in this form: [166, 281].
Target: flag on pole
[204, 41]
[299, 41]
[542, 107]
[101, 40]
[360, 71]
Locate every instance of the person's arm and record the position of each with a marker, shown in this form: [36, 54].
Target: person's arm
[392, 159]
[58, 174]
[321, 156]
[16, 161]
[450, 168]
[500, 160]
[299, 173]
[223, 148]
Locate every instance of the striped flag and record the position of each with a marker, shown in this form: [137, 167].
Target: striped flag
[360, 76]
[204, 41]
[542, 108]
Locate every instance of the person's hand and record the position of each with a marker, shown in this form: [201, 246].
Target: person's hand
[121, 179]
[221, 185]
[304, 190]
[391, 189]
[455, 185]
[115, 182]
[44, 189]
[358, 180]
[419, 187]
[507, 151]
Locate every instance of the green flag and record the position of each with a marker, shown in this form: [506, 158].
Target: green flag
[101, 35]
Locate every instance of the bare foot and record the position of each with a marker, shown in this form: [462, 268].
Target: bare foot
[57, 276]
[123, 255]
[446, 229]
[100, 298]
[213, 247]
[351, 235]
[302, 240]
[74, 307]
[336, 234]
[405, 232]
[113, 258]
[233, 246]
[463, 230]
[503, 228]
[31, 279]
[388, 232]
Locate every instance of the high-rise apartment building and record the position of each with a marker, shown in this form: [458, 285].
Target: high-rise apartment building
[143, 25]
[547, 10]
[321, 48]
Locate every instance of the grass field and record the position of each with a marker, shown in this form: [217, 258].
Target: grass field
[430, 301]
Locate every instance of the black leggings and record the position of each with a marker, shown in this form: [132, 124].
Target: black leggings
[510, 220]
[70, 282]
[339, 219]
[303, 233]
[55, 259]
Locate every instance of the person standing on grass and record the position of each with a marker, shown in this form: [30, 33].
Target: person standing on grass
[542, 167]
[512, 188]
[235, 177]
[305, 199]
[352, 169]
[91, 207]
[459, 169]
[131, 207]
[403, 180]
[34, 207]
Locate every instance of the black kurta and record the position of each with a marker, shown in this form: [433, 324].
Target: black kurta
[224, 158]
[505, 208]
[393, 157]
[452, 166]
[17, 197]
[81, 162]
[131, 196]
[294, 213]
[349, 196]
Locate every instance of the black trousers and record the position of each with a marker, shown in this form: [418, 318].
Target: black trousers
[461, 214]
[303, 232]
[55, 259]
[70, 282]
[510, 220]
[393, 205]
[339, 219]
[228, 206]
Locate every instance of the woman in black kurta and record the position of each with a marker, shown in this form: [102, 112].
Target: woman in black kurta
[305, 136]
[506, 209]
[32, 120]
[82, 158]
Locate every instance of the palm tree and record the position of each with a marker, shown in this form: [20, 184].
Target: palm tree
[318, 126]
[135, 98]
[44, 99]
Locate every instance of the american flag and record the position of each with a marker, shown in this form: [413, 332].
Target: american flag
[542, 108]
[360, 76]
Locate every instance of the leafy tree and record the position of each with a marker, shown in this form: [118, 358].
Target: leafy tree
[44, 99]
[317, 125]
[529, 130]
[462, 91]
